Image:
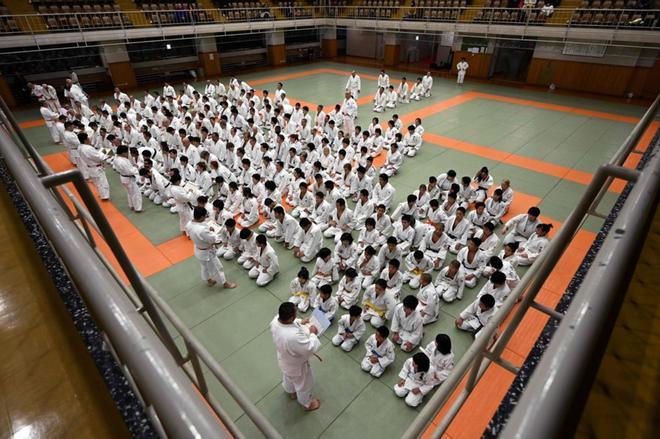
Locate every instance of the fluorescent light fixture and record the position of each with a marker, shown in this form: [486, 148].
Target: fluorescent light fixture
[168, 46]
[416, 37]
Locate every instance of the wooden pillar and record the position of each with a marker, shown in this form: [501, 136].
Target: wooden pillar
[209, 59]
[6, 93]
[392, 50]
[276, 48]
[122, 74]
[329, 42]
[115, 58]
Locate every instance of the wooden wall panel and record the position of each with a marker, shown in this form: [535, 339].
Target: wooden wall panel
[391, 54]
[593, 78]
[652, 85]
[277, 55]
[329, 48]
[479, 63]
[6, 93]
[210, 62]
[122, 74]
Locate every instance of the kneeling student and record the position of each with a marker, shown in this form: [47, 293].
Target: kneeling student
[416, 379]
[303, 291]
[350, 329]
[348, 289]
[407, 327]
[380, 352]
[267, 265]
[325, 302]
[477, 315]
[441, 356]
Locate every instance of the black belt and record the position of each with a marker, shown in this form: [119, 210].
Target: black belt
[126, 176]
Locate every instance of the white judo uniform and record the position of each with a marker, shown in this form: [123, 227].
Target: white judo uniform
[348, 334]
[204, 241]
[295, 345]
[424, 381]
[378, 357]
[409, 327]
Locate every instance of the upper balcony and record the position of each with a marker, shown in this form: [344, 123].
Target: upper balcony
[588, 22]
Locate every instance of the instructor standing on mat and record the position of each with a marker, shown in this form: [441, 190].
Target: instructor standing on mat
[295, 344]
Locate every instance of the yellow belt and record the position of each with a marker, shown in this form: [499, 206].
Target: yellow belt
[301, 294]
[418, 271]
[377, 310]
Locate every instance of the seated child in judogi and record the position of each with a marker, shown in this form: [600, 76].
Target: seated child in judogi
[489, 240]
[340, 221]
[326, 302]
[377, 304]
[441, 356]
[369, 236]
[417, 263]
[248, 249]
[218, 213]
[350, 329]
[389, 252]
[346, 252]
[309, 240]
[380, 352]
[393, 277]
[473, 261]
[368, 267]
[394, 160]
[477, 314]
[416, 379]
[250, 209]
[412, 142]
[457, 228]
[391, 97]
[417, 90]
[509, 253]
[450, 282]
[429, 302]
[435, 244]
[303, 291]
[348, 289]
[404, 233]
[325, 270]
[496, 287]
[266, 264]
[230, 240]
[496, 264]
[531, 249]
[270, 222]
[380, 100]
[286, 229]
[521, 227]
[407, 326]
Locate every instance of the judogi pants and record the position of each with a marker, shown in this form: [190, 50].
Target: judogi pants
[212, 269]
[97, 174]
[133, 191]
[262, 278]
[345, 344]
[461, 77]
[411, 399]
[375, 369]
[300, 385]
[52, 129]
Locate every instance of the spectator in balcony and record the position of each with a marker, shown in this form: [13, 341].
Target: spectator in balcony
[547, 10]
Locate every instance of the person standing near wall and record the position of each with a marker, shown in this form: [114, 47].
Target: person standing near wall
[462, 67]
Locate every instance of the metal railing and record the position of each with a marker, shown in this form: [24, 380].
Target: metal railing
[637, 19]
[171, 383]
[585, 315]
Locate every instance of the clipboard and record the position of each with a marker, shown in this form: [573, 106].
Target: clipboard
[319, 320]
